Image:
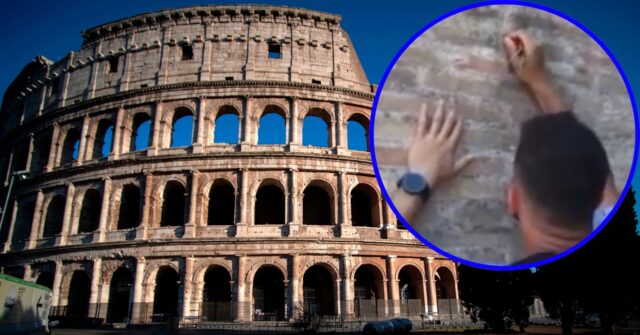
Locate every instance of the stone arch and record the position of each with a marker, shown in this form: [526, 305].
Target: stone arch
[166, 293]
[139, 121]
[40, 154]
[68, 273]
[171, 118]
[445, 282]
[226, 110]
[120, 295]
[129, 211]
[365, 206]
[54, 215]
[216, 293]
[100, 134]
[265, 115]
[368, 288]
[70, 151]
[354, 122]
[319, 285]
[89, 215]
[174, 203]
[270, 202]
[309, 126]
[221, 202]
[411, 286]
[24, 220]
[315, 208]
[268, 292]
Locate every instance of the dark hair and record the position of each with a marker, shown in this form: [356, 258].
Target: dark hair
[563, 167]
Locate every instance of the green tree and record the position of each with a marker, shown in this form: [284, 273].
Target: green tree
[600, 278]
[499, 298]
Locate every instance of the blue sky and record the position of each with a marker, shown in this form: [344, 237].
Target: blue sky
[377, 28]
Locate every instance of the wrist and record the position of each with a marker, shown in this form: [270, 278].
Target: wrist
[539, 83]
[426, 174]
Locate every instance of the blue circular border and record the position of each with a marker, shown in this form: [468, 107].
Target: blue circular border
[374, 108]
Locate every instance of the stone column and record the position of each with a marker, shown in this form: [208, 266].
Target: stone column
[57, 281]
[347, 287]
[100, 235]
[53, 148]
[393, 284]
[297, 308]
[94, 297]
[241, 226]
[118, 130]
[84, 140]
[341, 138]
[337, 297]
[199, 138]
[246, 126]
[205, 68]
[66, 220]
[455, 287]
[188, 287]
[64, 77]
[12, 224]
[295, 138]
[242, 305]
[346, 229]
[147, 207]
[425, 295]
[190, 227]
[156, 137]
[294, 203]
[27, 166]
[138, 292]
[35, 224]
[433, 301]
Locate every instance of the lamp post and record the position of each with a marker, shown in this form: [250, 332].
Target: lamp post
[22, 175]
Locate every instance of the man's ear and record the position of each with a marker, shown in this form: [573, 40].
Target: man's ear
[514, 200]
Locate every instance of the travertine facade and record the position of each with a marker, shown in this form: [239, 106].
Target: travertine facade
[218, 231]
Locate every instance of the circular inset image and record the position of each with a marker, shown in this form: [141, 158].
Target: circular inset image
[503, 135]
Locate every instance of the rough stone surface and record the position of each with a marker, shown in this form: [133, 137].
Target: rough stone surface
[461, 59]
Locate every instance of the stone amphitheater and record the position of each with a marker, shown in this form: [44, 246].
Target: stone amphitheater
[128, 223]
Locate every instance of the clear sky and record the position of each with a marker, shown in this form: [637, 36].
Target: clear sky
[377, 28]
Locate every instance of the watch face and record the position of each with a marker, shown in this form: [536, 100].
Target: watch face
[414, 183]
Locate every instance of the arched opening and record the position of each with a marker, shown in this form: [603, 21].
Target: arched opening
[269, 205]
[272, 126]
[54, 217]
[129, 216]
[315, 129]
[45, 279]
[410, 284]
[182, 128]
[20, 156]
[318, 291]
[103, 141]
[79, 291]
[357, 137]
[445, 284]
[24, 220]
[216, 294]
[165, 300]
[90, 211]
[222, 201]
[70, 147]
[368, 292]
[316, 206]
[226, 126]
[173, 204]
[141, 132]
[40, 156]
[119, 296]
[268, 294]
[364, 207]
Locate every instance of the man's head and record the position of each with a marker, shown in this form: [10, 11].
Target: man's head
[560, 171]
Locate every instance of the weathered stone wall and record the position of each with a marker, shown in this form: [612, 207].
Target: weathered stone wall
[461, 59]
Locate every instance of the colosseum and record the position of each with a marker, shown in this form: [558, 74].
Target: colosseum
[196, 164]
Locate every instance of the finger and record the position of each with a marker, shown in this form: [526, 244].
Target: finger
[447, 126]
[510, 47]
[463, 162]
[454, 138]
[420, 127]
[436, 123]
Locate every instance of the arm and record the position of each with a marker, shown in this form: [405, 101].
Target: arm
[431, 154]
[526, 60]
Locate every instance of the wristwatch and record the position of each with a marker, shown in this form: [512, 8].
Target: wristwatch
[415, 184]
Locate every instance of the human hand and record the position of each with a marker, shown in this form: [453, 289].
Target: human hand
[525, 58]
[432, 147]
